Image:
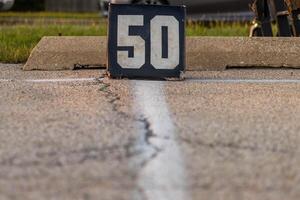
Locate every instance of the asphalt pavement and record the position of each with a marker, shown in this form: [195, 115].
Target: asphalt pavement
[215, 135]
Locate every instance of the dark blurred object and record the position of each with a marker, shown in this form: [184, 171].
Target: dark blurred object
[6, 4]
[199, 10]
[294, 9]
[215, 6]
[72, 5]
[285, 13]
[29, 5]
[262, 24]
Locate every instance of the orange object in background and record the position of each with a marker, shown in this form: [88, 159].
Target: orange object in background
[293, 4]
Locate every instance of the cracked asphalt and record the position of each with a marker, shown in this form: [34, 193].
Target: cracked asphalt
[219, 135]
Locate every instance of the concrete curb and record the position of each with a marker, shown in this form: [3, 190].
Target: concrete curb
[219, 53]
[65, 53]
[202, 53]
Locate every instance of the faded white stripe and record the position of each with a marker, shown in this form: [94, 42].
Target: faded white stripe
[263, 81]
[60, 80]
[6, 80]
[163, 177]
[64, 80]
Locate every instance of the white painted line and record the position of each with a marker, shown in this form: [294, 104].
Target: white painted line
[163, 177]
[263, 81]
[63, 80]
[6, 80]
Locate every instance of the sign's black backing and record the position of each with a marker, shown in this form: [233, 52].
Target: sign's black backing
[149, 12]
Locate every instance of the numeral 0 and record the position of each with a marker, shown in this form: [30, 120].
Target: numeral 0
[157, 60]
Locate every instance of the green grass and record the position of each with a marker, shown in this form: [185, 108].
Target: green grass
[219, 29]
[16, 42]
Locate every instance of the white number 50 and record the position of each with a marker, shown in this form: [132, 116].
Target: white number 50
[156, 48]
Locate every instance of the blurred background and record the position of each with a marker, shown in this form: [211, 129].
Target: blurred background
[200, 7]
[24, 22]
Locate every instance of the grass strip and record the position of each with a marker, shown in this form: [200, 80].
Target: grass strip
[16, 42]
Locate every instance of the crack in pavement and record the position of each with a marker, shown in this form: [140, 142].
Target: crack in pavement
[147, 145]
[113, 99]
[139, 146]
[142, 149]
[149, 134]
[64, 158]
[233, 146]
